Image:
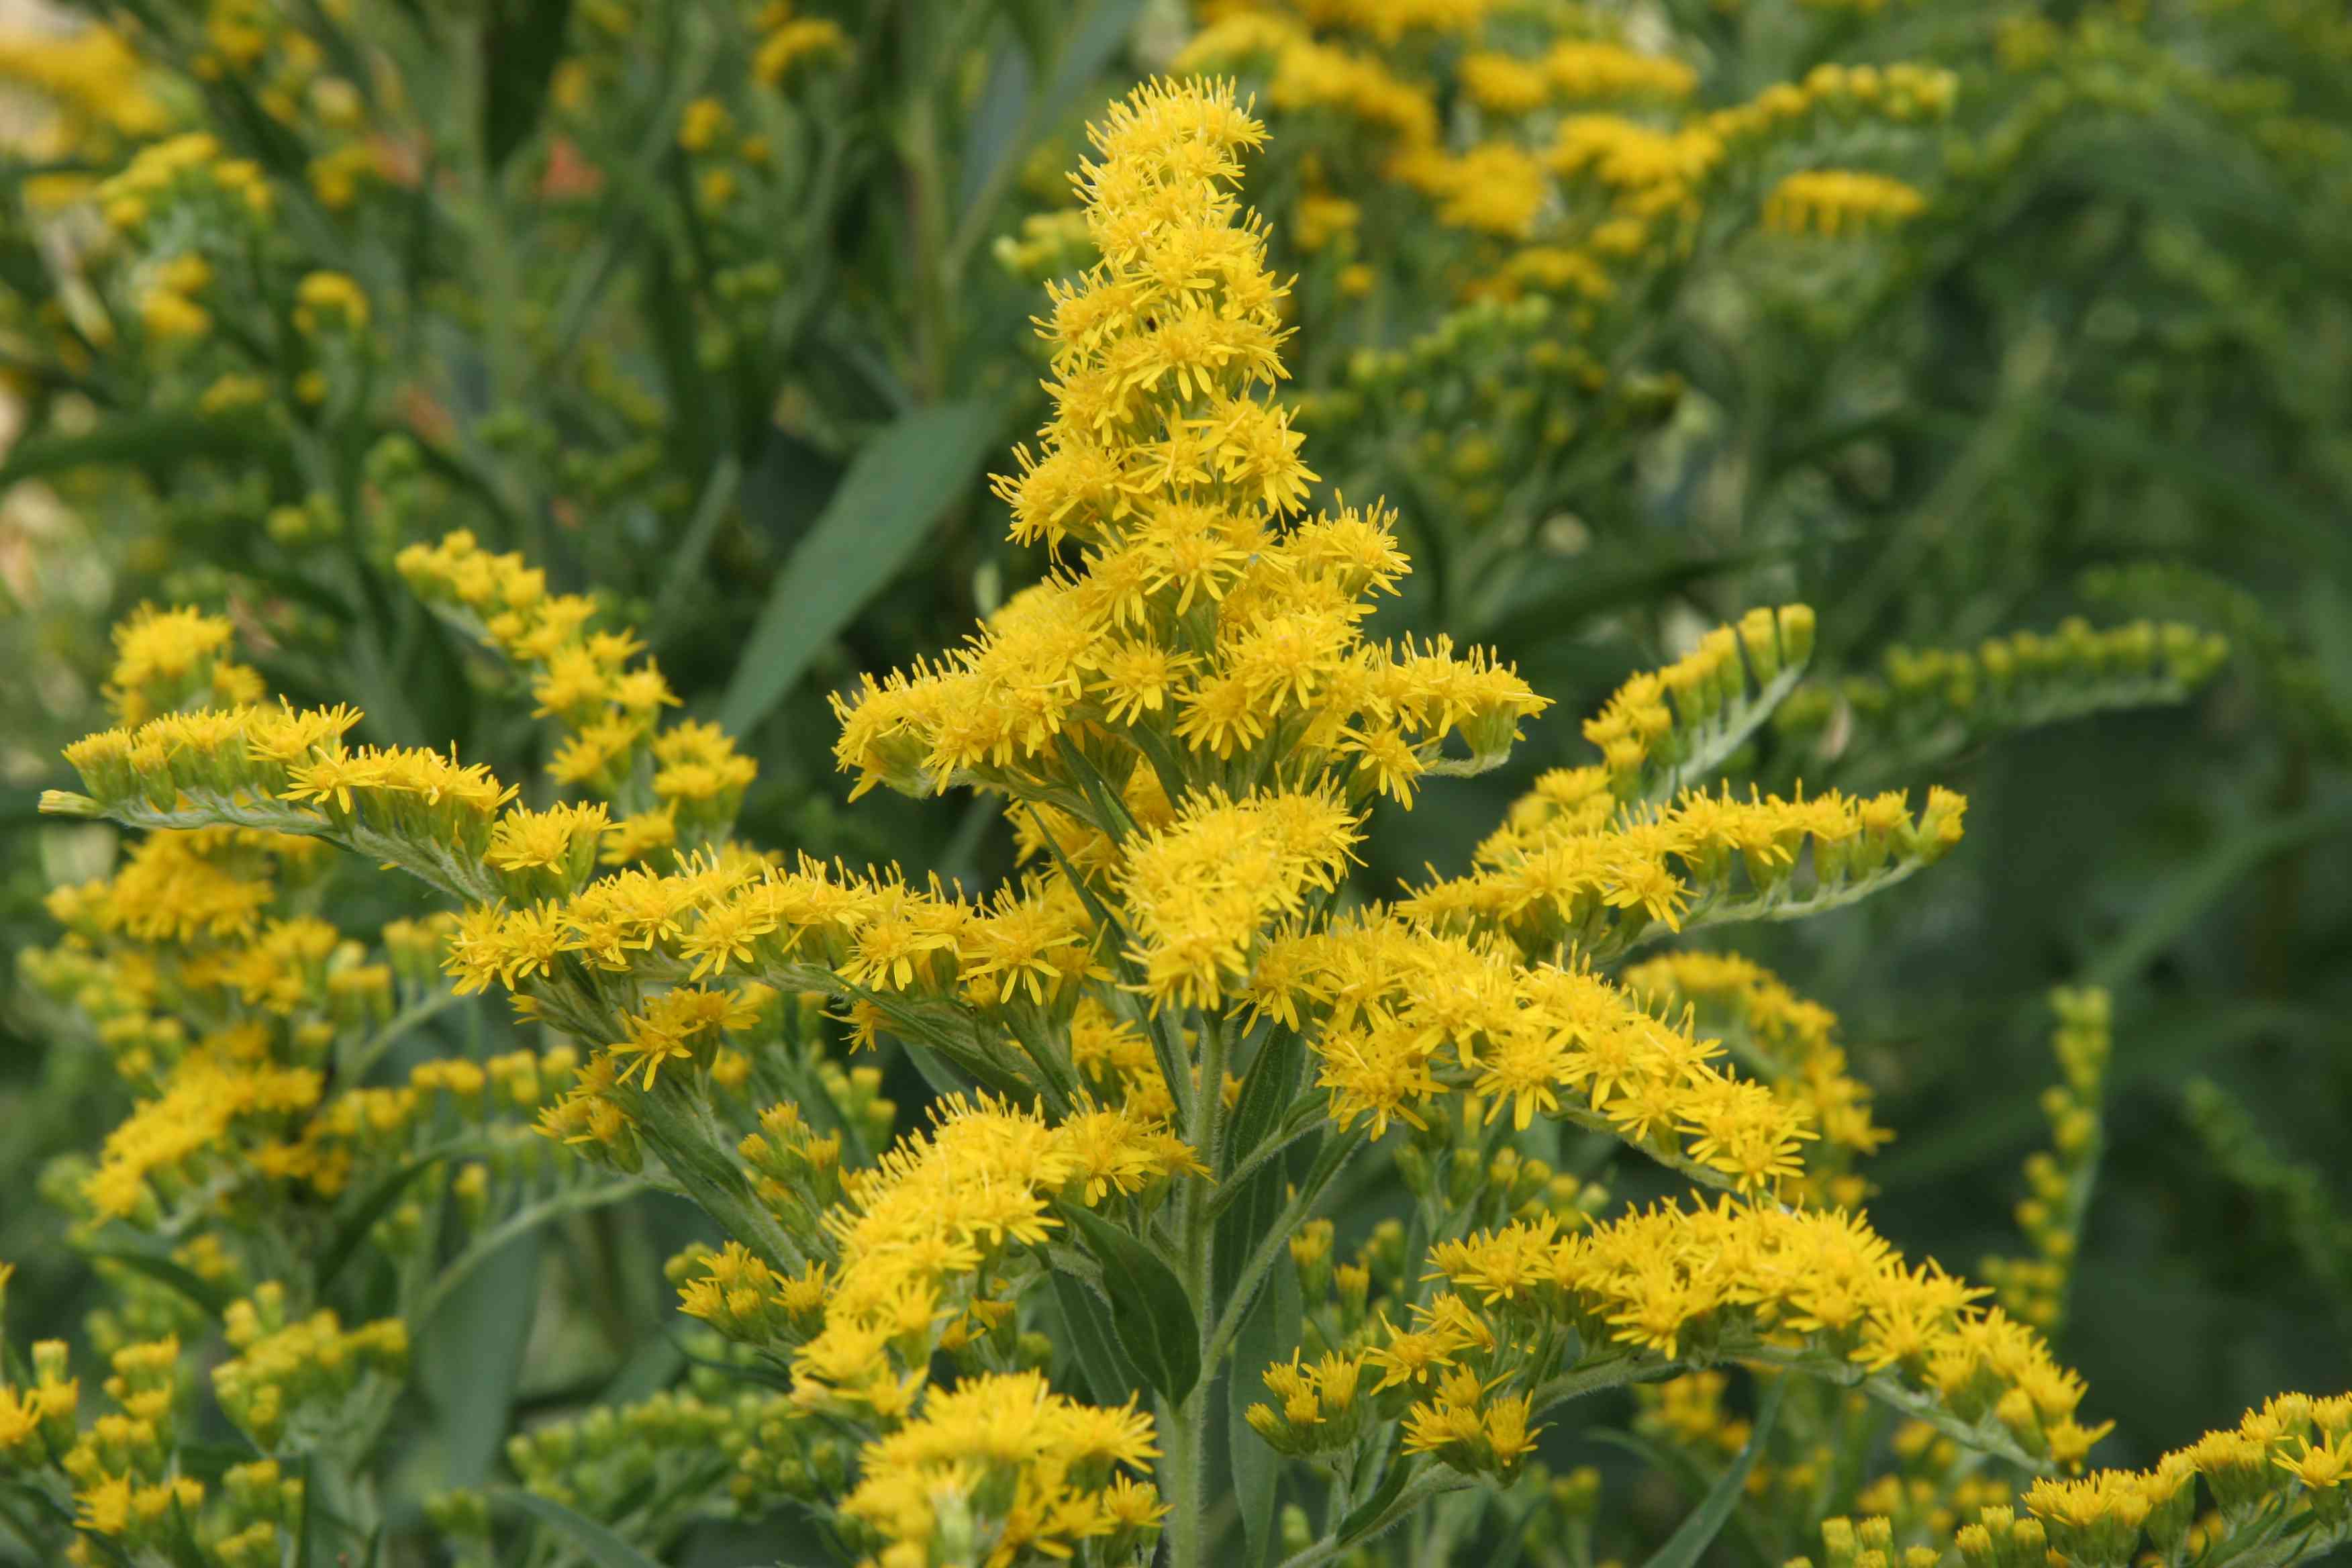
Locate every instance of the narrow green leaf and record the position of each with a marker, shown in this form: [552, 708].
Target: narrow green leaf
[1689, 1477]
[1111, 1378]
[347, 1240]
[1149, 1311]
[593, 1542]
[145, 440]
[1034, 23]
[1273, 1324]
[1088, 42]
[2188, 893]
[1265, 1093]
[164, 1271]
[902, 482]
[1683, 1548]
[520, 47]
[1391, 1487]
[306, 1551]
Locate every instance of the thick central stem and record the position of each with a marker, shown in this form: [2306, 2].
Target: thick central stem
[1188, 1439]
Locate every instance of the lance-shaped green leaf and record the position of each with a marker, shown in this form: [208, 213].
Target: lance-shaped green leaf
[902, 482]
[1683, 1549]
[1149, 1311]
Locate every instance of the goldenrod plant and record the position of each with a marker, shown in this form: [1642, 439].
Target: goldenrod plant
[1095, 1303]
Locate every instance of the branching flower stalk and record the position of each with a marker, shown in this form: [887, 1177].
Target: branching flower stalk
[1004, 1336]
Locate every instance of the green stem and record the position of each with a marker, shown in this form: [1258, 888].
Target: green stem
[1188, 1441]
[1418, 1490]
[1592, 1380]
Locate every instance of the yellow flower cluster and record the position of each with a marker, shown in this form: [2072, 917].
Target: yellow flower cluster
[922, 1245]
[1194, 631]
[1003, 1470]
[786, 40]
[1189, 725]
[1398, 1017]
[92, 73]
[301, 1372]
[129, 1493]
[1743, 1282]
[1318, 1410]
[1663, 726]
[1545, 149]
[2052, 1214]
[1788, 1042]
[168, 660]
[2285, 1470]
[1197, 893]
[1552, 884]
[673, 788]
[186, 169]
[222, 1009]
[2280, 1481]
[925, 1253]
[38, 1420]
[1833, 202]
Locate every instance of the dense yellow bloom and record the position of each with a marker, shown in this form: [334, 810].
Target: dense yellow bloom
[1764, 1283]
[171, 659]
[93, 71]
[1839, 201]
[1785, 1039]
[1188, 725]
[1400, 1016]
[594, 685]
[1024, 1472]
[1194, 613]
[921, 1235]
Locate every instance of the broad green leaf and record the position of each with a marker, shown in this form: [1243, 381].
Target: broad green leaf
[904, 481]
[1683, 1548]
[1272, 1324]
[1149, 1311]
[592, 1540]
[1111, 1378]
[521, 43]
[472, 1354]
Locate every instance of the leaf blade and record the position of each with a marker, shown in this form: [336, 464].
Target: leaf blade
[1110, 1376]
[899, 486]
[1273, 1322]
[1692, 1538]
[522, 45]
[1150, 1313]
[1265, 1093]
[596, 1542]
